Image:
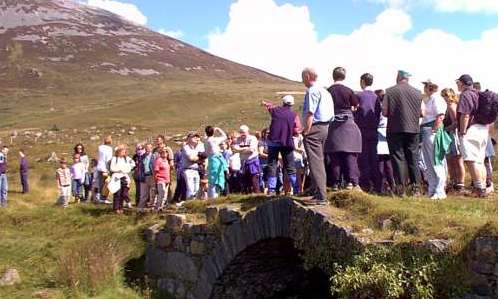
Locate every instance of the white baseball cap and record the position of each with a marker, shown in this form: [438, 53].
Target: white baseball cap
[288, 100]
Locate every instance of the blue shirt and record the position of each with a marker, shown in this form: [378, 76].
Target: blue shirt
[147, 162]
[3, 163]
[318, 101]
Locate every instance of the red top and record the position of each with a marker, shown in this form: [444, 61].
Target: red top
[162, 170]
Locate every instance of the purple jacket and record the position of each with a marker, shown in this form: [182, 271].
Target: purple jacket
[3, 163]
[282, 126]
[368, 114]
[23, 165]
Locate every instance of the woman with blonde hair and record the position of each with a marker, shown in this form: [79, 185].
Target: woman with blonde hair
[456, 168]
[121, 167]
[434, 108]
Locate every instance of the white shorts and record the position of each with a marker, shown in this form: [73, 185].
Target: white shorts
[473, 144]
[65, 191]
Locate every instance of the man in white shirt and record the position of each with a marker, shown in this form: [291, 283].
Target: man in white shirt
[190, 156]
[247, 146]
[104, 154]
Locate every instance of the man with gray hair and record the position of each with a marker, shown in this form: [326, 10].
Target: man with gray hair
[403, 107]
[318, 111]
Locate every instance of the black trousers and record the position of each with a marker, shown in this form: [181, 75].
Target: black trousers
[404, 150]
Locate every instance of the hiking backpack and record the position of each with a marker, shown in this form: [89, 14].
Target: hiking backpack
[487, 108]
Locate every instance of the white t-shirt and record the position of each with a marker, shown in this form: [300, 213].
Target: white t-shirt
[250, 142]
[434, 106]
[213, 144]
[188, 151]
[298, 143]
[105, 155]
[234, 162]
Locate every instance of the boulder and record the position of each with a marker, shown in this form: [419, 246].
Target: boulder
[10, 277]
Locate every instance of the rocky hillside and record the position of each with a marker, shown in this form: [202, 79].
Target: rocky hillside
[61, 37]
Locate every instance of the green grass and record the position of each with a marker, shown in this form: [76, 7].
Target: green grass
[413, 220]
[82, 251]
[174, 105]
[62, 253]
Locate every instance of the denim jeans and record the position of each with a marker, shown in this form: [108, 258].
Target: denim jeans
[3, 189]
[77, 188]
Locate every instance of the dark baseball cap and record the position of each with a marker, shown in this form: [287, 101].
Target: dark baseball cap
[466, 80]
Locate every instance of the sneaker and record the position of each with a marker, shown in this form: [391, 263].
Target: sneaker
[335, 188]
[438, 197]
[490, 188]
[105, 202]
[127, 205]
[349, 187]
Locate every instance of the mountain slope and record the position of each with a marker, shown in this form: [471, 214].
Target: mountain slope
[60, 34]
[67, 64]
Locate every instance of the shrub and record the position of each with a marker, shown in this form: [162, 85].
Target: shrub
[90, 266]
[398, 273]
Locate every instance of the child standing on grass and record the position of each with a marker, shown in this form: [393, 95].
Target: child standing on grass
[162, 171]
[23, 171]
[78, 172]
[63, 176]
[3, 176]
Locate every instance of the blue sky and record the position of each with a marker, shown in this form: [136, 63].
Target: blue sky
[196, 18]
[437, 39]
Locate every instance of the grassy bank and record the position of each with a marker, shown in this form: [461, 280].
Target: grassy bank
[82, 251]
[67, 253]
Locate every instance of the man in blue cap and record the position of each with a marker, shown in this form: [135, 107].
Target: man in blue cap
[402, 105]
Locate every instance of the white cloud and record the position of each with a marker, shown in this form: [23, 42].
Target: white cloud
[470, 6]
[172, 33]
[126, 10]
[283, 41]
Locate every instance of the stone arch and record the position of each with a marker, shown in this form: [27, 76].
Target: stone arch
[192, 274]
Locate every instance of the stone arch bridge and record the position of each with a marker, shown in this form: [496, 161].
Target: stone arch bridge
[253, 254]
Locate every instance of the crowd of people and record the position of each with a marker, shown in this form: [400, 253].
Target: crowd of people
[401, 141]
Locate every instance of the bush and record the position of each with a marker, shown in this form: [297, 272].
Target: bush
[398, 273]
[91, 266]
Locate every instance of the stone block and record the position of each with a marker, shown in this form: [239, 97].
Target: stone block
[164, 239]
[483, 268]
[200, 229]
[438, 245]
[151, 232]
[178, 244]
[175, 222]
[227, 217]
[211, 214]
[197, 248]
[171, 265]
